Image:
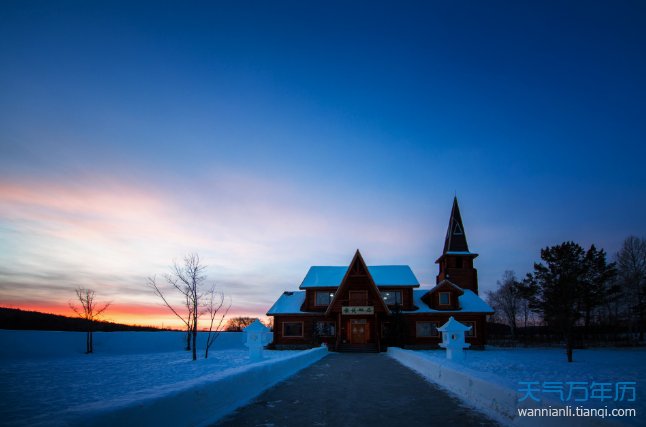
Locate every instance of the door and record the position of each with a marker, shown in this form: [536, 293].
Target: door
[358, 329]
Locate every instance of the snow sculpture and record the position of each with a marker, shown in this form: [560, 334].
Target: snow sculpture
[258, 336]
[453, 339]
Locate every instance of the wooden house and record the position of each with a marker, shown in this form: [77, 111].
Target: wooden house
[353, 304]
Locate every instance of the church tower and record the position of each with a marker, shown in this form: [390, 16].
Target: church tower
[456, 262]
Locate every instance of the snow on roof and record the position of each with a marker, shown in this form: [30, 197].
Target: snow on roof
[383, 275]
[459, 253]
[256, 326]
[289, 302]
[453, 326]
[469, 303]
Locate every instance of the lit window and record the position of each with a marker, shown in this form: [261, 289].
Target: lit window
[444, 299]
[293, 329]
[392, 297]
[324, 298]
[427, 329]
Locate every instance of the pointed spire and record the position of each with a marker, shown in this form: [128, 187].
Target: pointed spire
[456, 238]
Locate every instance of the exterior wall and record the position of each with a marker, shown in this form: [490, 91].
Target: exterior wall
[280, 340]
[465, 277]
[480, 327]
[375, 325]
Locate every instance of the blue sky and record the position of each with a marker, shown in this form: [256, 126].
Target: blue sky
[271, 136]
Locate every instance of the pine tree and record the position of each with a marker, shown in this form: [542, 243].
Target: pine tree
[398, 332]
[313, 334]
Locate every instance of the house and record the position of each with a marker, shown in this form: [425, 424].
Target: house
[353, 304]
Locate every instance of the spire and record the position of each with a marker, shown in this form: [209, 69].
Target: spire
[456, 239]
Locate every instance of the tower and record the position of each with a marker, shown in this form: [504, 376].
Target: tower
[456, 262]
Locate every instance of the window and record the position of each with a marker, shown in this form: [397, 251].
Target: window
[458, 262]
[326, 329]
[445, 298]
[392, 297]
[427, 329]
[324, 298]
[472, 332]
[293, 329]
[457, 231]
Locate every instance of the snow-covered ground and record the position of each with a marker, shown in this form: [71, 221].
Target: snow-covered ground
[70, 387]
[508, 367]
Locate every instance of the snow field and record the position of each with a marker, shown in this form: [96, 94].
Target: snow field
[163, 388]
[489, 380]
[48, 344]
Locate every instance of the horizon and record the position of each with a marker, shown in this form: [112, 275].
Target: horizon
[269, 138]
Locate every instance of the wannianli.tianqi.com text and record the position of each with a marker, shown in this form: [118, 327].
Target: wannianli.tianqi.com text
[578, 412]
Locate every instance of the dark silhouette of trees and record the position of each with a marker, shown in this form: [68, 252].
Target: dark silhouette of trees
[313, 333]
[568, 287]
[398, 332]
[214, 300]
[507, 299]
[236, 324]
[187, 279]
[631, 266]
[89, 310]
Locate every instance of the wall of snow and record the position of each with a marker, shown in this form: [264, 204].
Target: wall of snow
[499, 401]
[200, 404]
[39, 344]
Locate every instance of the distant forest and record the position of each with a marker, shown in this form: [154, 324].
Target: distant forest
[16, 319]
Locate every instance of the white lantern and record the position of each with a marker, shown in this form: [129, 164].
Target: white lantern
[258, 336]
[453, 339]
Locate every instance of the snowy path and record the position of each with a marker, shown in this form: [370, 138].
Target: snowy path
[54, 389]
[358, 390]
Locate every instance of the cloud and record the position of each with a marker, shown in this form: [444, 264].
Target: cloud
[258, 237]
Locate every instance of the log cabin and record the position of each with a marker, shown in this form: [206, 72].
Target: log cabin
[353, 304]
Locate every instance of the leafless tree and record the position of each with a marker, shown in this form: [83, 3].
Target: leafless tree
[631, 265]
[236, 324]
[507, 299]
[214, 300]
[89, 311]
[187, 280]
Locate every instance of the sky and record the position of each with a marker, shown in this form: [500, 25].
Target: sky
[272, 136]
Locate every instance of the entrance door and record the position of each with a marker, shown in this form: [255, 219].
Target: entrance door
[358, 328]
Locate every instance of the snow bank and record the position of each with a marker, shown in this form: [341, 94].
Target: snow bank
[487, 391]
[47, 344]
[202, 403]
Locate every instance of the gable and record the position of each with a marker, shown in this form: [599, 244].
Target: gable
[357, 272]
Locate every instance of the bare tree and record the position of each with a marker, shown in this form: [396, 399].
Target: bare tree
[236, 324]
[214, 300]
[89, 311]
[507, 299]
[631, 265]
[187, 280]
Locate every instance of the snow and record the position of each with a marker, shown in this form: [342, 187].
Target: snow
[469, 303]
[289, 302]
[164, 388]
[490, 378]
[383, 275]
[48, 344]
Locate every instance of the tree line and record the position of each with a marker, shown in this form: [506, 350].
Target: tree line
[575, 297]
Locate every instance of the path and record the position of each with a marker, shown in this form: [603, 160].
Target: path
[355, 390]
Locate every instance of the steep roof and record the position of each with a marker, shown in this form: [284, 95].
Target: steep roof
[456, 238]
[357, 267]
[383, 275]
[469, 302]
[288, 303]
